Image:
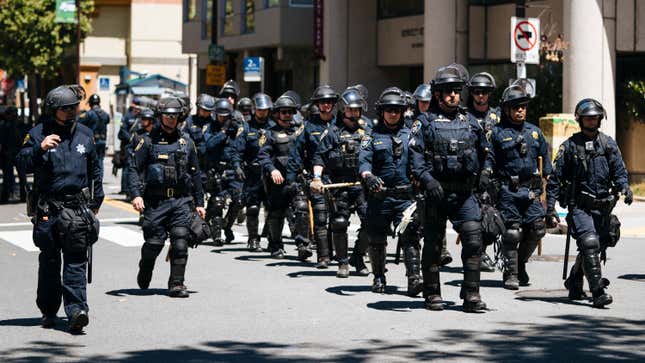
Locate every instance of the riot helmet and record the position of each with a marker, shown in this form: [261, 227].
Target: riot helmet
[205, 102]
[94, 100]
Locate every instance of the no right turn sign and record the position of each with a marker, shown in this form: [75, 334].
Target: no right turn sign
[525, 40]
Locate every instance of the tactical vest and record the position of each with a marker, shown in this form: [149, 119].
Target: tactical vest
[100, 126]
[343, 160]
[453, 150]
[169, 167]
[283, 141]
[522, 150]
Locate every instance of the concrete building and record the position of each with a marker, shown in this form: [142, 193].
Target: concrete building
[141, 35]
[380, 43]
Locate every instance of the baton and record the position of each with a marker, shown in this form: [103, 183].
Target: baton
[341, 185]
[566, 253]
[542, 198]
[89, 264]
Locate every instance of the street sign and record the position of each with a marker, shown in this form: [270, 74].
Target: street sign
[215, 74]
[65, 11]
[525, 40]
[253, 69]
[104, 84]
[216, 53]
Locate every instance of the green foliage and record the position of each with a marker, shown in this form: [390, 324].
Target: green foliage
[31, 42]
[634, 92]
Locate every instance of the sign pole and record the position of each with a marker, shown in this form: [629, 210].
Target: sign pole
[520, 70]
[262, 74]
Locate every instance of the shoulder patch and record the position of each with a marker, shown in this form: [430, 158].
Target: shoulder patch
[240, 130]
[139, 145]
[24, 141]
[416, 126]
[324, 133]
[535, 135]
[493, 116]
[366, 141]
[262, 140]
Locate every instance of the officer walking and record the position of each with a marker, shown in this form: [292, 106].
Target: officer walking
[480, 88]
[68, 190]
[225, 176]
[165, 184]
[9, 145]
[445, 158]
[196, 124]
[301, 160]
[275, 147]
[383, 166]
[422, 97]
[97, 120]
[128, 125]
[588, 176]
[337, 157]
[254, 193]
[516, 146]
[147, 122]
[245, 106]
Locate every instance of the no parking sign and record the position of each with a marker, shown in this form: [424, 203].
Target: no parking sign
[525, 40]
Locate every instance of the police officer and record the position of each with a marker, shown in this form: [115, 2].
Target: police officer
[225, 175]
[480, 88]
[422, 97]
[337, 156]
[445, 158]
[274, 152]
[196, 124]
[245, 106]
[165, 184]
[9, 144]
[254, 193]
[97, 120]
[383, 166]
[128, 125]
[146, 123]
[61, 154]
[516, 146]
[588, 176]
[301, 160]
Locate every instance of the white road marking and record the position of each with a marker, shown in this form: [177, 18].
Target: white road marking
[22, 239]
[122, 236]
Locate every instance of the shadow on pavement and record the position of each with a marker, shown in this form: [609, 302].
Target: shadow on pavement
[555, 296]
[328, 272]
[482, 283]
[634, 277]
[61, 324]
[408, 305]
[557, 338]
[344, 289]
[140, 292]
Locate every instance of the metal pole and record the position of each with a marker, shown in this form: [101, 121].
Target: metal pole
[262, 74]
[78, 41]
[520, 12]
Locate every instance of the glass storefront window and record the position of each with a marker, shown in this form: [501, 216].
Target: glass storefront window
[248, 26]
[272, 3]
[398, 8]
[228, 17]
[207, 19]
[190, 10]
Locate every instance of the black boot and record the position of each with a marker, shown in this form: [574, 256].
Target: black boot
[176, 286]
[432, 288]
[377, 259]
[78, 321]
[413, 270]
[145, 273]
[591, 267]
[360, 248]
[446, 257]
[215, 224]
[487, 264]
[276, 247]
[511, 281]
[524, 252]
[252, 225]
[304, 251]
[339, 239]
[574, 283]
[470, 288]
[322, 247]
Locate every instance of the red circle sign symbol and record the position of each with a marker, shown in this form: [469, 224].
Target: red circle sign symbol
[525, 39]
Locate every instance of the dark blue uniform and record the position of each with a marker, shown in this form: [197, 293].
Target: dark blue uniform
[338, 153]
[596, 167]
[128, 126]
[60, 174]
[448, 150]
[487, 120]
[195, 126]
[97, 120]
[386, 155]
[274, 154]
[301, 158]
[513, 160]
[254, 193]
[222, 159]
[164, 171]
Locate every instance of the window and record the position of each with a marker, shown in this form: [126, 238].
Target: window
[190, 10]
[272, 3]
[248, 9]
[301, 3]
[398, 8]
[207, 19]
[229, 15]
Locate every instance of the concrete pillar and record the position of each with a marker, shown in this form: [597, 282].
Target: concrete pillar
[445, 34]
[590, 63]
[334, 69]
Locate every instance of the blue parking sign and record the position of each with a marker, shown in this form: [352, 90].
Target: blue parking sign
[253, 69]
[104, 84]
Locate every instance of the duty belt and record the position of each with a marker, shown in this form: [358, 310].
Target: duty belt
[69, 200]
[166, 193]
[399, 192]
[458, 186]
[587, 201]
[514, 182]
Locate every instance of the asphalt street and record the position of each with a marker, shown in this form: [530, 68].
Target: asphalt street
[248, 307]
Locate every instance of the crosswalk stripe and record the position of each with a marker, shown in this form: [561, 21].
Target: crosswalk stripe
[22, 239]
[122, 236]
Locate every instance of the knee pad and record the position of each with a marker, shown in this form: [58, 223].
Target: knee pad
[589, 242]
[179, 249]
[320, 214]
[536, 230]
[179, 233]
[151, 249]
[512, 236]
[253, 210]
[471, 236]
[339, 224]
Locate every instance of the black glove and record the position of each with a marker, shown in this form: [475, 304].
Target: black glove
[231, 130]
[552, 218]
[484, 180]
[372, 183]
[291, 188]
[435, 191]
[240, 173]
[629, 196]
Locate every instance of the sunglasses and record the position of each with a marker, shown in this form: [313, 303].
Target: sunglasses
[68, 108]
[479, 92]
[287, 112]
[392, 110]
[518, 106]
[171, 115]
[326, 102]
[456, 90]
